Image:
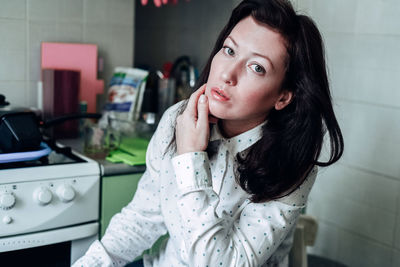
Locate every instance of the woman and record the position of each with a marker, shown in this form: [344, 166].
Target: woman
[229, 194]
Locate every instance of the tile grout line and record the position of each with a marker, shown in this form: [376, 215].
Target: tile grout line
[27, 55]
[372, 240]
[366, 103]
[352, 201]
[393, 178]
[84, 20]
[357, 202]
[358, 33]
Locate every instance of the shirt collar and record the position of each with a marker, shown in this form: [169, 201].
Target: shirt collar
[240, 142]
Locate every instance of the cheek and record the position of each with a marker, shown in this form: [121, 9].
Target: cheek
[254, 95]
[253, 92]
[207, 91]
[256, 99]
[214, 63]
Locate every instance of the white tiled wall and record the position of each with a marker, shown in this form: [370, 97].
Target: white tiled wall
[357, 201]
[24, 24]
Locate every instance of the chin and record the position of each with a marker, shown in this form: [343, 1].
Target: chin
[218, 112]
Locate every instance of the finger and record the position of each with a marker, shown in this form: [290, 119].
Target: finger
[202, 112]
[178, 119]
[191, 107]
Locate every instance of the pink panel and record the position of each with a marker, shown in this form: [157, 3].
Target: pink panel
[78, 57]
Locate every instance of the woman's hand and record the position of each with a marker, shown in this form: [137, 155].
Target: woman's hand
[192, 126]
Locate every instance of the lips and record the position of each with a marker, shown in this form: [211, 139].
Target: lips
[219, 94]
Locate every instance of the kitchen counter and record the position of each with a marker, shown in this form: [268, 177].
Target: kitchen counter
[109, 168]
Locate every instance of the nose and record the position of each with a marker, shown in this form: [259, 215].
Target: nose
[230, 74]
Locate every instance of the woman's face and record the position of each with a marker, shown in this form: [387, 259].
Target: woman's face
[245, 78]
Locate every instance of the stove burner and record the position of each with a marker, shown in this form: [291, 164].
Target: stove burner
[59, 155]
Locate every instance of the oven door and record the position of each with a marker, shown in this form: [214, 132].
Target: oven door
[55, 248]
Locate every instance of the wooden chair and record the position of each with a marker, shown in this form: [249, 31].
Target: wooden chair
[304, 235]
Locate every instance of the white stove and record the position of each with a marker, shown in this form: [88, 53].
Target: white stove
[47, 202]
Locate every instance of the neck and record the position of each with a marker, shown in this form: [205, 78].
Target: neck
[231, 129]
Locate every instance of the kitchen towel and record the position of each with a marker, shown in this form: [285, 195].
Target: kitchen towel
[131, 151]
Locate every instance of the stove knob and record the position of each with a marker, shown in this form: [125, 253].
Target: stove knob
[66, 193]
[7, 219]
[7, 200]
[42, 196]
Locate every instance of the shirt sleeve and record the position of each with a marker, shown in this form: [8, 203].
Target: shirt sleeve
[247, 238]
[140, 223]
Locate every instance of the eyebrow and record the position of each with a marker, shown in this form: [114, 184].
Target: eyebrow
[254, 53]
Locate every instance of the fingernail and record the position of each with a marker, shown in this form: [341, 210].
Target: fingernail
[202, 99]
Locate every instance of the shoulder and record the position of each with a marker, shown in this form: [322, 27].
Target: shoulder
[169, 116]
[164, 133]
[300, 195]
[168, 119]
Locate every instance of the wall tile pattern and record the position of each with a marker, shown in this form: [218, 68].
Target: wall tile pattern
[24, 24]
[357, 201]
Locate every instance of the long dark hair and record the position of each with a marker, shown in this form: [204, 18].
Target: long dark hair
[293, 137]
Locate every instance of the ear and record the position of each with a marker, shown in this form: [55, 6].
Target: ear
[284, 99]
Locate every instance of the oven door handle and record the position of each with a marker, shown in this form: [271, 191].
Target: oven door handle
[48, 237]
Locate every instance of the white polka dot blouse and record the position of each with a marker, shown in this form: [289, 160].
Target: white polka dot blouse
[197, 201]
